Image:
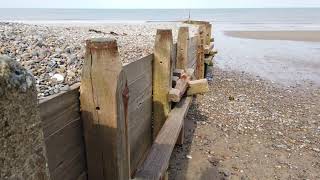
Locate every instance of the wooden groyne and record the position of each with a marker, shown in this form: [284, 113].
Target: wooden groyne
[120, 123]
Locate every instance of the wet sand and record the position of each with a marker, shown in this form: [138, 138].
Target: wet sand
[306, 36]
[289, 59]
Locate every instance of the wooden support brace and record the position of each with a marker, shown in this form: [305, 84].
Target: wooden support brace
[178, 91]
[174, 81]
[198, 87]
[208, 48]
[104, 105]
[178, 72]
[157, 161]
[161, 83]
[208, 60]
[214, 52]
[190, 73]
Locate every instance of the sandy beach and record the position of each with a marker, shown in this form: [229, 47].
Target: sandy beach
[248, 128]
[260, 119]
[305, 36]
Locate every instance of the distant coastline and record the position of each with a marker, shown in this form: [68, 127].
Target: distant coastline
[237, 16]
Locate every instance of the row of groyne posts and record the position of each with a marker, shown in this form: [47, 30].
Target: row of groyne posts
[121, 121]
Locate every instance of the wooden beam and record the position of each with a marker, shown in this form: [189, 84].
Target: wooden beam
[178, 72]
[198, 87]
[176, 94]
[190, 72]
[182, 48]
[161, 78]
[104, 100]
[174, 81]
[208, 60]
[156, 163]
[200, 52]
[208, 48]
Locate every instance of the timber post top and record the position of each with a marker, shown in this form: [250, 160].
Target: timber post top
[165, 32]
[102, 43]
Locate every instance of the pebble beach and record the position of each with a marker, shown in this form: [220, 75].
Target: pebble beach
[54, 53]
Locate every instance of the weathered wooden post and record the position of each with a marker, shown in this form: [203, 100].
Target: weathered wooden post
[199, 73]
[22, 151]
[161, 78]
[182, 62]
[208, 33]
[104, 101]
[182, 48]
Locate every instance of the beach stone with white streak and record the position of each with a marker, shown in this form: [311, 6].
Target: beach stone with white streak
[21, 140]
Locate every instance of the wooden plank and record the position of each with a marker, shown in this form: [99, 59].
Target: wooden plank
[104, 100]
[156, 163]
[182, 48]
[138, 68]
[62, 128]
[199, 72]
[62, 149]
[192, 51]
[83, 176]
[161, 78]
[58, 110]
[198, 87]
[139, 75]
[140, 130]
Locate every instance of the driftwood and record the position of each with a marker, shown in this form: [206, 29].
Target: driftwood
[111, 32]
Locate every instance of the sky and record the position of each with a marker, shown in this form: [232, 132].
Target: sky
[165, 4]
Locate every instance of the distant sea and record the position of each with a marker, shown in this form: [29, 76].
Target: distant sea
[307, 16]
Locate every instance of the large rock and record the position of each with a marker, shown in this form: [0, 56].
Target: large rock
[21, 139]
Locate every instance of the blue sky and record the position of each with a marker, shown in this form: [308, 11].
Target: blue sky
[131, 4]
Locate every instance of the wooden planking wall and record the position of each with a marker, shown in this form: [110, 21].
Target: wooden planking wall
[139, 76]
[62, 125]
[62, 129]
[192, 52]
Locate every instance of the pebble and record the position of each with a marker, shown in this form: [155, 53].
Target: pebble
[51, 50]
[58, 77]
[316, 150]
[65, 88]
